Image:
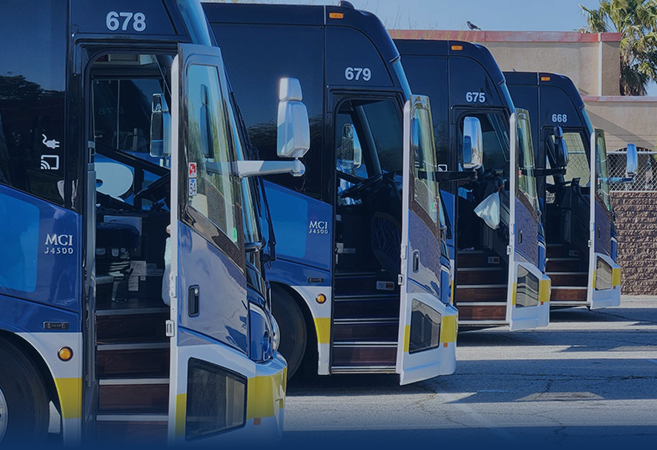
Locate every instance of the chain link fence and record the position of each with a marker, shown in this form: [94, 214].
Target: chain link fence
[645, 179]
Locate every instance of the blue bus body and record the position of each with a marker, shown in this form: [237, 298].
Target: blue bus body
[340, 291]
[582, 274]
[133, 300]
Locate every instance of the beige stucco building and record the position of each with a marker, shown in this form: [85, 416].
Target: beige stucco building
[592, 61]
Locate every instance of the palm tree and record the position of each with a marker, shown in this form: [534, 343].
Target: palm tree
[636, 20]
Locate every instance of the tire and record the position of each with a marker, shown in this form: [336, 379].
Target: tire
[292, 324]
[24, 399]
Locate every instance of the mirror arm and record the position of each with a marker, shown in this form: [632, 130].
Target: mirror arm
[254, 247]
[455, 176]
[245, 169]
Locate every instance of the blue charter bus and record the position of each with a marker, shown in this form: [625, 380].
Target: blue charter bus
[131, 286]
[498, 278]
[570, 153]
[361, 279]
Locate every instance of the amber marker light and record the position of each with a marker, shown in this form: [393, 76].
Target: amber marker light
[335, 15]
[65, 354]
[321, 298]
[457, 48]
[545, 78]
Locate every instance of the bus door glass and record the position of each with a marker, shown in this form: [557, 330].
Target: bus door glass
[207, 286]
[604, 273]
[427, 331]
[528, 292]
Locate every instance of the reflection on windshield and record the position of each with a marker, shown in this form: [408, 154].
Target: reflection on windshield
[602, 188]
[426, 189]
[525, 163]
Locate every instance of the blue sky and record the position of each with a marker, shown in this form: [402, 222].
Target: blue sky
[509, 15]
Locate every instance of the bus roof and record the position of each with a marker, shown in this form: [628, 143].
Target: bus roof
[344, 15]
[420, 47]
[546, 79]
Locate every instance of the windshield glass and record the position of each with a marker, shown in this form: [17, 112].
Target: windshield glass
[251, 223]
[525, 163]
[602, 188]
[426, 191]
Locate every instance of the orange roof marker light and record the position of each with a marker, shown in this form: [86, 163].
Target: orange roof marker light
[336, 15]
[545, 78]
[457, 48]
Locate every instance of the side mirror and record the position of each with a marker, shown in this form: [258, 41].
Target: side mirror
[351, 152]
[632, 161]
[560, 147]
[160, 127]
[473, 143]
[293, 137]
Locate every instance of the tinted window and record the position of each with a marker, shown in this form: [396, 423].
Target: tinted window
[257, 57]
[425, 327]
[428, 76]
[216, 400]
[32, 84]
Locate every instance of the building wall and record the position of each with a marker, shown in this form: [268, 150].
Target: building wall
[636, 226]
[625, 120]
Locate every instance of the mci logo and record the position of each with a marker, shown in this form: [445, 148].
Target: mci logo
[61, 244]
[318, 227]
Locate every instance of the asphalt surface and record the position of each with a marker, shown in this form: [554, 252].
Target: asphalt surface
[588, 380]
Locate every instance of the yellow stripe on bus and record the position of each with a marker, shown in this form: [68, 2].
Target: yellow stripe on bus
[323, 328]
[544, 287]
[448, 329]
[264, 393]
[181, 414]
[616, 277]
[70, 397]
[514, 292]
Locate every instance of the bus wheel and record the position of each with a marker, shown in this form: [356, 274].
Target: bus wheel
[24, 403]
[292, 329]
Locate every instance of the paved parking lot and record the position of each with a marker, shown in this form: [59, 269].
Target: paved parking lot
[588, 378]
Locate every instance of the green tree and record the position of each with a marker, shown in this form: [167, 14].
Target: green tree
[636, 20]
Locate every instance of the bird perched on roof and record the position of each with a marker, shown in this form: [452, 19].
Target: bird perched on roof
[472, 26]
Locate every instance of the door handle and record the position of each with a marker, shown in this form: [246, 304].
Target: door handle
[416, 261]
[520, 237]
[193, 301]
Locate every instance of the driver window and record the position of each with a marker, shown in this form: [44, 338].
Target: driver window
[213, 195]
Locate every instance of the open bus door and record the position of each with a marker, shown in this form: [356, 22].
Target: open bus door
[604, 273]
[207, 286]
[427, 326]
[528, 288]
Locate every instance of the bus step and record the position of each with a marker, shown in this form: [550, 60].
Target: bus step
[131, 396]
[482, 312]
[146, 360]
[478, 258]
[364, 354]
[568, 294]
[375, 330]
[569, 279]
[367, 283]
[556, 251]
[366, 307]
[131, 324]
[481, 293]
[128, 428]
[562, 264]
[481, 275]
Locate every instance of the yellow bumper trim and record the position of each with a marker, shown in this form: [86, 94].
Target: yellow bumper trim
[544, 288]
[616, 277]
[70, 397]
[323, 328]
[448, 329]
[181, 414]
[264, 394]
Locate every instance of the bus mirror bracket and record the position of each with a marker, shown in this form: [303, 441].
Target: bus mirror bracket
[160, 127]
[293, 126]
[473, 151]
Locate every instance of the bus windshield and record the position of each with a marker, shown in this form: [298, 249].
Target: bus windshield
[426, 190]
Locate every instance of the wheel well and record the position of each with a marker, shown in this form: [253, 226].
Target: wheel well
[33, 355]
[309, 358]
